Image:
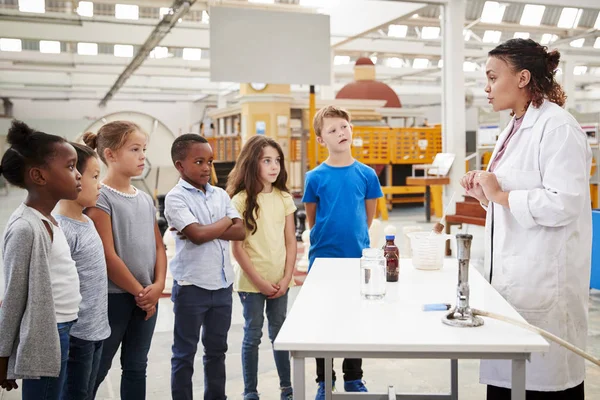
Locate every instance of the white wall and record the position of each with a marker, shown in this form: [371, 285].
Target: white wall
[70, 118]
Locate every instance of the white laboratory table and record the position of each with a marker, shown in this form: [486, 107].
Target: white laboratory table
[330, 319]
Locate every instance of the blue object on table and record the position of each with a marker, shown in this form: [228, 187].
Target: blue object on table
[595, 278]
[437, 307]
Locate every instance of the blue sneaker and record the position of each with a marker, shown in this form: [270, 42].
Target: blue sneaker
[355, 386]
[287, 394]
[321, 391]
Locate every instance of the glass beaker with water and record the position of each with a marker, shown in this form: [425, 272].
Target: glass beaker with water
[372, 274]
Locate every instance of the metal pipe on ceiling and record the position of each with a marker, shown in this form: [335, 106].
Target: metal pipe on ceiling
[180, 8]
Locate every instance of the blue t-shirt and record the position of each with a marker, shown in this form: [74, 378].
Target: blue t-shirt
[340, 229]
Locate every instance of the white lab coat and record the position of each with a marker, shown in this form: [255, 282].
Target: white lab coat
[542, 246]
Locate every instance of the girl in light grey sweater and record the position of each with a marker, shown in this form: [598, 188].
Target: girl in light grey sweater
[41, 297]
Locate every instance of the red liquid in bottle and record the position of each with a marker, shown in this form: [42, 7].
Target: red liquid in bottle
[392, 259]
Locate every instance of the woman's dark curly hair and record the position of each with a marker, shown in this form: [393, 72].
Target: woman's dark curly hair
[527, 54]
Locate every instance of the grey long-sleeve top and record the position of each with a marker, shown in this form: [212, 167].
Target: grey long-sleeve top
[28, 333]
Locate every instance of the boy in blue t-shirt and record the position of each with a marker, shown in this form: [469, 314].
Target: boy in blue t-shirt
[340, 198]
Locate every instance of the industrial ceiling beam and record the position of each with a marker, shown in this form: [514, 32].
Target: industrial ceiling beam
[179, 9]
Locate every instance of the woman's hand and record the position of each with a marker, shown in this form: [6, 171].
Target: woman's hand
[472, 189]
[491, 187]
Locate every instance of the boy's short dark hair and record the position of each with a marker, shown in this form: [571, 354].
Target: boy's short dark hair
[182, 143]
[329, 112]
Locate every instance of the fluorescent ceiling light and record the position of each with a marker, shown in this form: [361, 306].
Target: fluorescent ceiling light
[441, 64]
[597, 43]
[32, 6]
[87, 49]
[532, 15]
[580, 70]
[159, 52]
[192, 54]
[569, 17]
[341, 60]
[205, 17]
[420, 63]
[430, 32]
[521, 35]
[493, 12]
[578, 42]
[85, 9]
[123, 50]
[49, 47]
[394, 62]
[548, 38]
[10, 44]
[374, 59]
[469, 66]
[127, 11]
[492, 36]
[397, 30]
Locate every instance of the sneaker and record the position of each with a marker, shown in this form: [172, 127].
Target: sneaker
[355, 386]
[251, 396]
[321, 391]
[287, 394]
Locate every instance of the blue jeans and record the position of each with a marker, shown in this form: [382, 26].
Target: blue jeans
[84, 360]
[134, 335]
[47, 388]
[254, 310]
[210, 310]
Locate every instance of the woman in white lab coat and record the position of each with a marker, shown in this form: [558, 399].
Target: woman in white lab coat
[538, 226]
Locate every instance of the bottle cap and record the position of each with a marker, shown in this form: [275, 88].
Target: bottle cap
[390, 237]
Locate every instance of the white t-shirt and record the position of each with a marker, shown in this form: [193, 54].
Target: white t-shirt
[63, 275]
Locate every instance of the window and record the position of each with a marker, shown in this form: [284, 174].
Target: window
[159, 52]
[580, 70]
[192, 54]
[441, 64]
[397, 30]
[578, 42]
[548, 38]
[394, 62]
[532, 15]
[87, 49]
[123, 50]
[597, 43]
[10, 44]
[521, 35]
[205, 17]
[341, 60]
[374, 59]
[430, 32]
[49, 47]
[32, 6]
[469, 66]
[127, 11]
[164, 11]
[85, 9]
[491, 36]
[493, 12]
[420, 63]
[569, 17]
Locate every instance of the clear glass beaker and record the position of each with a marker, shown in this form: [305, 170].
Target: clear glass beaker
[372, 274]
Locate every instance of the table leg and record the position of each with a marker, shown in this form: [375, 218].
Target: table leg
[428, 203]
[299, 374]
[328, 378]
[454, 379]
[518, 380]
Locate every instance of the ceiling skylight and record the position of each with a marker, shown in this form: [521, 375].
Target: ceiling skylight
[491, 36]
[493, 12]
[49, 47]
[569, 17]
[532, 15]
[85, 9]
[397, 30]
[430, 32]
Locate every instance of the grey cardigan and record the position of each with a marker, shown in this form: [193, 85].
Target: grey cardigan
[28, 331]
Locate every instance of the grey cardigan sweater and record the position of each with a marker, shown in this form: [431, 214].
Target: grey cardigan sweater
[28, 331]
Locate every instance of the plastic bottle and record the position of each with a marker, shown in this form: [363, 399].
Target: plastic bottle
[392, 259]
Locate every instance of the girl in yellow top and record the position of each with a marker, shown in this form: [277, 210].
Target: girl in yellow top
[267, 256]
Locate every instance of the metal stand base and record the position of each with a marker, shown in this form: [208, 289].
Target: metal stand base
[459, 320]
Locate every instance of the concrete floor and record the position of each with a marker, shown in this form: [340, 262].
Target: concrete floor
[432, 376]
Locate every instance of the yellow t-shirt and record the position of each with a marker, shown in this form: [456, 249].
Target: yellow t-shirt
[266, 247]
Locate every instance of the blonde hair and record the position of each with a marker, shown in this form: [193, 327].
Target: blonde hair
[329, 112]
[111, 136]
